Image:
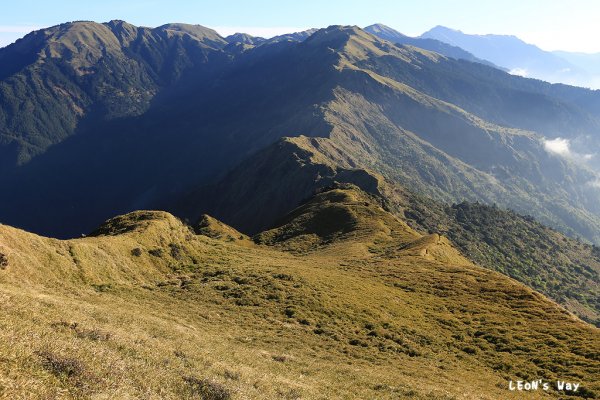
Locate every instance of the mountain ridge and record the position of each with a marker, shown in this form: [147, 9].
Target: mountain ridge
[75, 56]
[392, 35]
[357, 95]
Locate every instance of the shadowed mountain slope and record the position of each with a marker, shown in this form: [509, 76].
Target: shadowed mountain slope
[57, 81]
[265, 187]
[377, 311]
[384, 125]
[445, 128]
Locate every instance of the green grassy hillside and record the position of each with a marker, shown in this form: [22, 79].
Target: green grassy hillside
[565, 269]
[149, 309]
[291, 171]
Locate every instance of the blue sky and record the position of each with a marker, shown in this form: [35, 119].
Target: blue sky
[550, 24]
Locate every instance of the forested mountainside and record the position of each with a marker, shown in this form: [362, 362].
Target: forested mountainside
[446, 128]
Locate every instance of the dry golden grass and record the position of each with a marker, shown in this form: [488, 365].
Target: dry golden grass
[375, 312]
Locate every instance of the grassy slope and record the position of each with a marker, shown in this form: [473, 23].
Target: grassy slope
[274, 181]
[372, 313]
[565, 269]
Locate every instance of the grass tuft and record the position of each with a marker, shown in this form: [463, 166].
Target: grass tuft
[61, 366]
[206, 389]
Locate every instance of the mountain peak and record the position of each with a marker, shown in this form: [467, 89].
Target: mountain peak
[244, 38]
[443, 34]
[391, 35]
[117, 22]
[198, 32]
[445, 28]
[384, 31]
[337, 213]
[136, 221]
[213, 228]
[510, 52]
[452, 33]
[87, 39]
[336, 31]
[294, 36]
[351, 40]
[442, 28]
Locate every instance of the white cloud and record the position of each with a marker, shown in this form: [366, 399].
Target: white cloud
[262, 31]
[562, 147]
[594, 184]
[519, 71]
[558, 146]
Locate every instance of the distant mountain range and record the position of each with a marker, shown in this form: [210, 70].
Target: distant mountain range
[590, 63]
[525, 59]
[519, 58]
[508, 53]
[441, 47]
[245, 39]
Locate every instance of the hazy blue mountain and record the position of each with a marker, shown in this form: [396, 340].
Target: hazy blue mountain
[514, 54]
[392, 35]
[588, 62]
